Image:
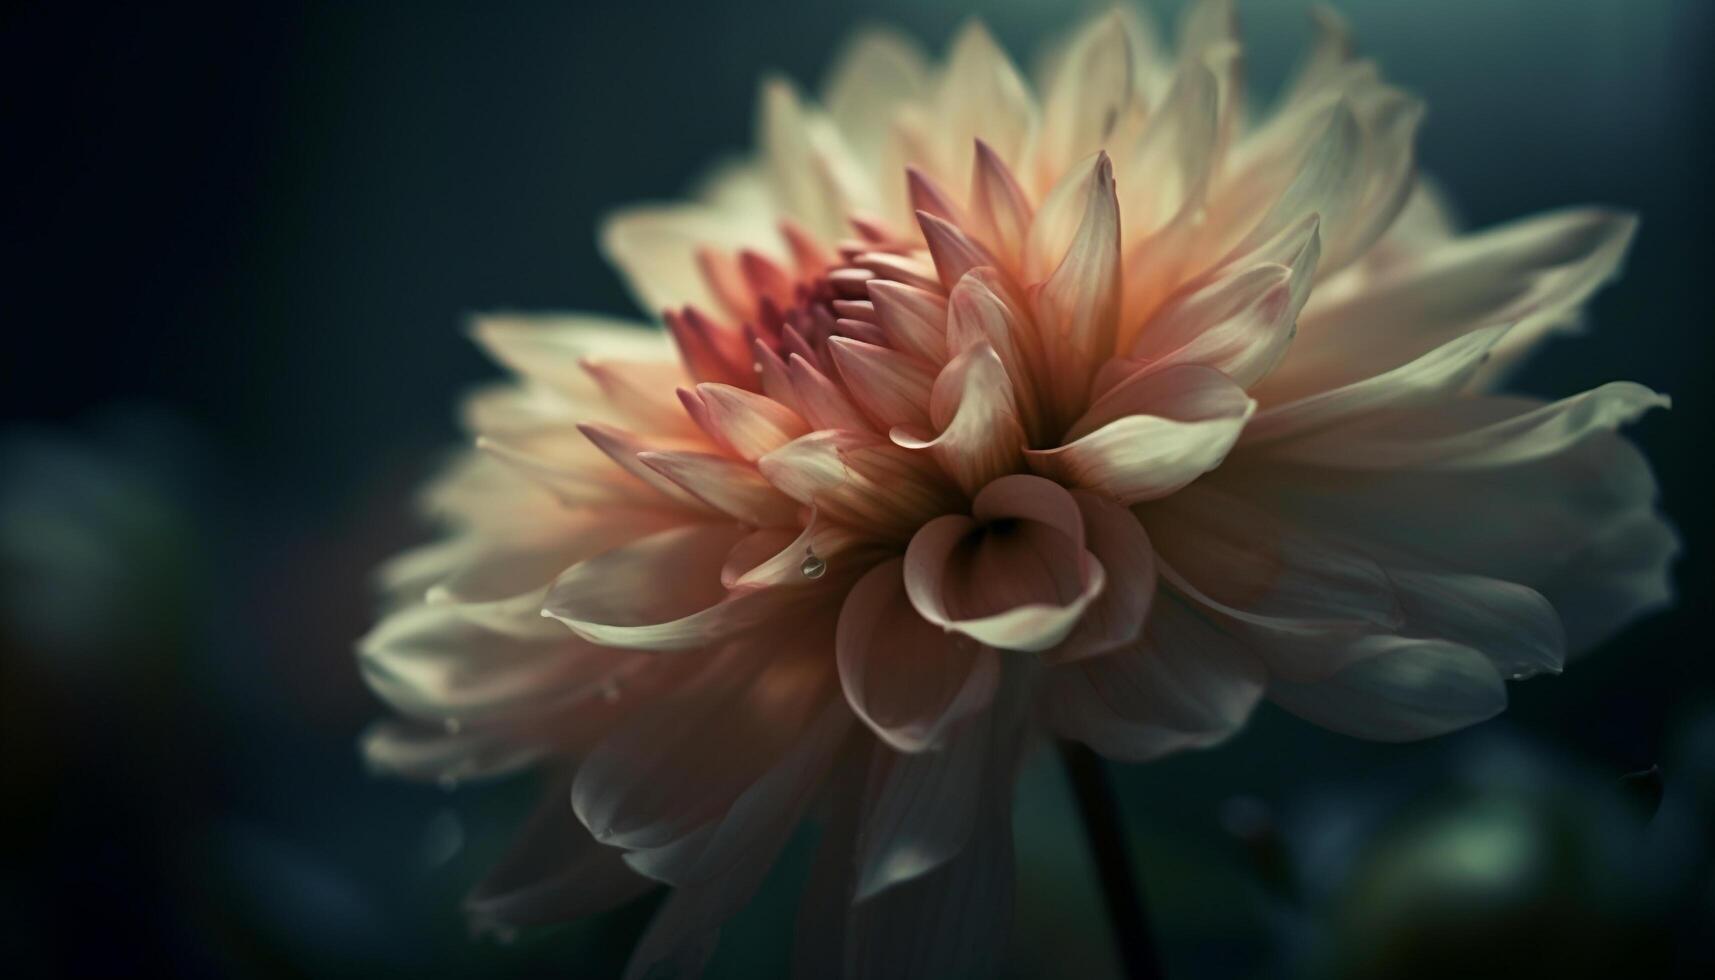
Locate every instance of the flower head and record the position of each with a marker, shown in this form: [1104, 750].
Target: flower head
[986, 409]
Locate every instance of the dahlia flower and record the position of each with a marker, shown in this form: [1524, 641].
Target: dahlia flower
[1089, 406]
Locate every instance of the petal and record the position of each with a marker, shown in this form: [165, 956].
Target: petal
[731, 487]
[1532, 273]
[1177, 425]
[972, 403]
[854, 478]
[979, 311]
[906, 678]
[1404, 690]
[1188, 684]
[662, 592]
[914, 318]
[1475, 433]
[1231, 557]
[749, 424]
[1513, 625]
[553, 872]
[983, 97]
[678, 764]
[1120, 544]
[1000, 209]
[921, 810]
[1242, 322]
[1019, 584]
[1095, 98]
[892, 387]
[1077, 307]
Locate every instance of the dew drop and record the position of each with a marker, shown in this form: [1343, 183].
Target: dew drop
[812, 566]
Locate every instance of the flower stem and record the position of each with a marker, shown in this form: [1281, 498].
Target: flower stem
[1122, 894]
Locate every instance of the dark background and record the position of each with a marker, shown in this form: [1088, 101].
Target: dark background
[237, 248]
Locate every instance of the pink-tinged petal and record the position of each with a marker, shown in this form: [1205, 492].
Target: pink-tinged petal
[1171, 427]
[1000, 210]
[903, 270]
[1188, 684]
[626, 449]
[1402, 690]
[773, 558]
[712, 352]
[642, 393]
[981, 437]
[914, 318]
[893, 388]
[1431, 378]
[979, 311]
[1474, 433]
[553, 872]
[1237, 560]
[1077, 307]
[906, 678]
[1534, 273]
[855, 478]
[749, 424]
[1016, 577]
[1121, 545]
[1243, 321]
[734, 488]
[928, 197]
[657, 248]
[662, 592]
[953, 251]
[824, 404]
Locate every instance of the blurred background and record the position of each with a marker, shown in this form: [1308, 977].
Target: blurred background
[237, 249]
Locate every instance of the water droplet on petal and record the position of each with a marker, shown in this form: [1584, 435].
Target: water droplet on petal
[813, 567]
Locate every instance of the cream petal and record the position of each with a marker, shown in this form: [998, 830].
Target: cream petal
[553, 349]
[434, 755]
[982, 97]
[981, 437]
[1405, 690]
[979, 312]
[1022, 586]
[1141, 456]
[1187, 684]
[627, 450]
[1329, 183]
[748, 424]
[656, 247]
[1167, 175]
[1095, 100]
[1475, 433]
[906, 678]
[729, 486]
[1429, 379]
[1534, 273]
[434, 663]
[876, 73]
[662, 592]
[808, 165]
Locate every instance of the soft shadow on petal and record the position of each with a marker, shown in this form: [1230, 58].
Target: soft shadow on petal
[1404, 690]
